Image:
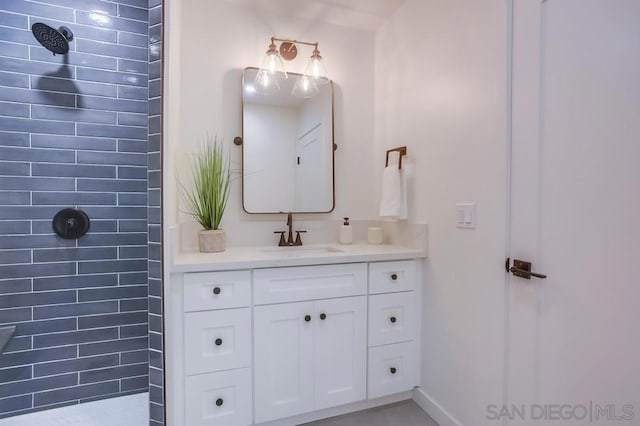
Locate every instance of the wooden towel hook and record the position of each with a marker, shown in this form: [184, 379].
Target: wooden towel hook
[402, 150]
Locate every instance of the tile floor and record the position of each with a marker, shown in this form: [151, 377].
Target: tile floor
[132, 410]
[405, 413]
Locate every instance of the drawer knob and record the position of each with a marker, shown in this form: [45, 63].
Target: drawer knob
[218, 342]
[216, 290]
[393, 370]
[393, 320]
[394, 277]
[323, 316]
[307, 318]
[219, 402]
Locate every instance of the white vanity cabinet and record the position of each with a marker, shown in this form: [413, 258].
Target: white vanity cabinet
[284, 360]
[393, 324]
[217, 348]
[276, 345]
[340, 363]
[309, 356]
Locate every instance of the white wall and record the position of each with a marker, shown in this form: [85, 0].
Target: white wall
[211, 42]
[441, 90]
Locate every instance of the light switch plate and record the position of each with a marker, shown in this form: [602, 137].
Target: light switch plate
[466, 215]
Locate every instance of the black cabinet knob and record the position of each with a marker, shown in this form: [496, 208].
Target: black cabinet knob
[393, 370]
[307, 318]
[393, 319]
[218, 342]
[216, 290]
[394, 277]
[219, 402]
[323, 316]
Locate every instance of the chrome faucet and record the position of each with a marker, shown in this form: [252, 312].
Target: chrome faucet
[289, 241]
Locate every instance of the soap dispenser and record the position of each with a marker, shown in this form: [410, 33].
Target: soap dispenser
[346, 232]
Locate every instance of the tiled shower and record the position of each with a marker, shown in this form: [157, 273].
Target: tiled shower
[81, 130]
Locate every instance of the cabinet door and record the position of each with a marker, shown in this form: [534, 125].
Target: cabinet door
[204, 291]
[216, 399]
[341, 351]
[217, 340]
[393, 369]
[392, 318]
[283, 360]
[387, 277]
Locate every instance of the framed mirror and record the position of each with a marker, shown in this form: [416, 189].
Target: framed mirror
[287, 148]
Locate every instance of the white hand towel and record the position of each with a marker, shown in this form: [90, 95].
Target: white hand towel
[393, 201]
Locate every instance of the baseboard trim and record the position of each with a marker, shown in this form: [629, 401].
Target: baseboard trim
[339, 411]
[433, 409]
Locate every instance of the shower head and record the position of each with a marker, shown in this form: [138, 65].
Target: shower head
[56, 41]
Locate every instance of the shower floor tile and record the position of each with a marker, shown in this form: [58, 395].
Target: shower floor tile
[132, 410]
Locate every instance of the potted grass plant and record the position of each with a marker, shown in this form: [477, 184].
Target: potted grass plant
[207, 198]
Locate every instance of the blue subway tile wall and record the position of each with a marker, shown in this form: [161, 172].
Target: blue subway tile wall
[154, 182]
[74, 132]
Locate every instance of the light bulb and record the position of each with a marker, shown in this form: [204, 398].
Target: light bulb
[316, 72]
[272, 63]
[271, 70]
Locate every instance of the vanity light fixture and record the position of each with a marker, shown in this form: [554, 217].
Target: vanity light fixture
[272, 69]
[316, 68]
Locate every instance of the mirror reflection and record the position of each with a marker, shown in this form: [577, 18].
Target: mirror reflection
[287, 150]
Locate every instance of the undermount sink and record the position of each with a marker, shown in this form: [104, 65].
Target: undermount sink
[302, 250]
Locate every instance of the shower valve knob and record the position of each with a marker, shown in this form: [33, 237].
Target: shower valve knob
[71, 224]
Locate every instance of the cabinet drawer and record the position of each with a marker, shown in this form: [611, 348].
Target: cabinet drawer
[393, 369]
[309, 283]
[392, 318]
[216, 290]
[215, 399]
[217, 340]
[386, 277]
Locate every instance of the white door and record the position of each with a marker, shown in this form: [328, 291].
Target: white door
[283, 337]
[574, 338]
[340, 351]
[312, 181]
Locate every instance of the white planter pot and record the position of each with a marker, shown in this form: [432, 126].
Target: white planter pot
[212, 241]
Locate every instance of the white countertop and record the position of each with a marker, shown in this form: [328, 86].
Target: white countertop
[269, 257]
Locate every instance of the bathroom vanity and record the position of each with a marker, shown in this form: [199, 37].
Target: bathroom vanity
[287, 335]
